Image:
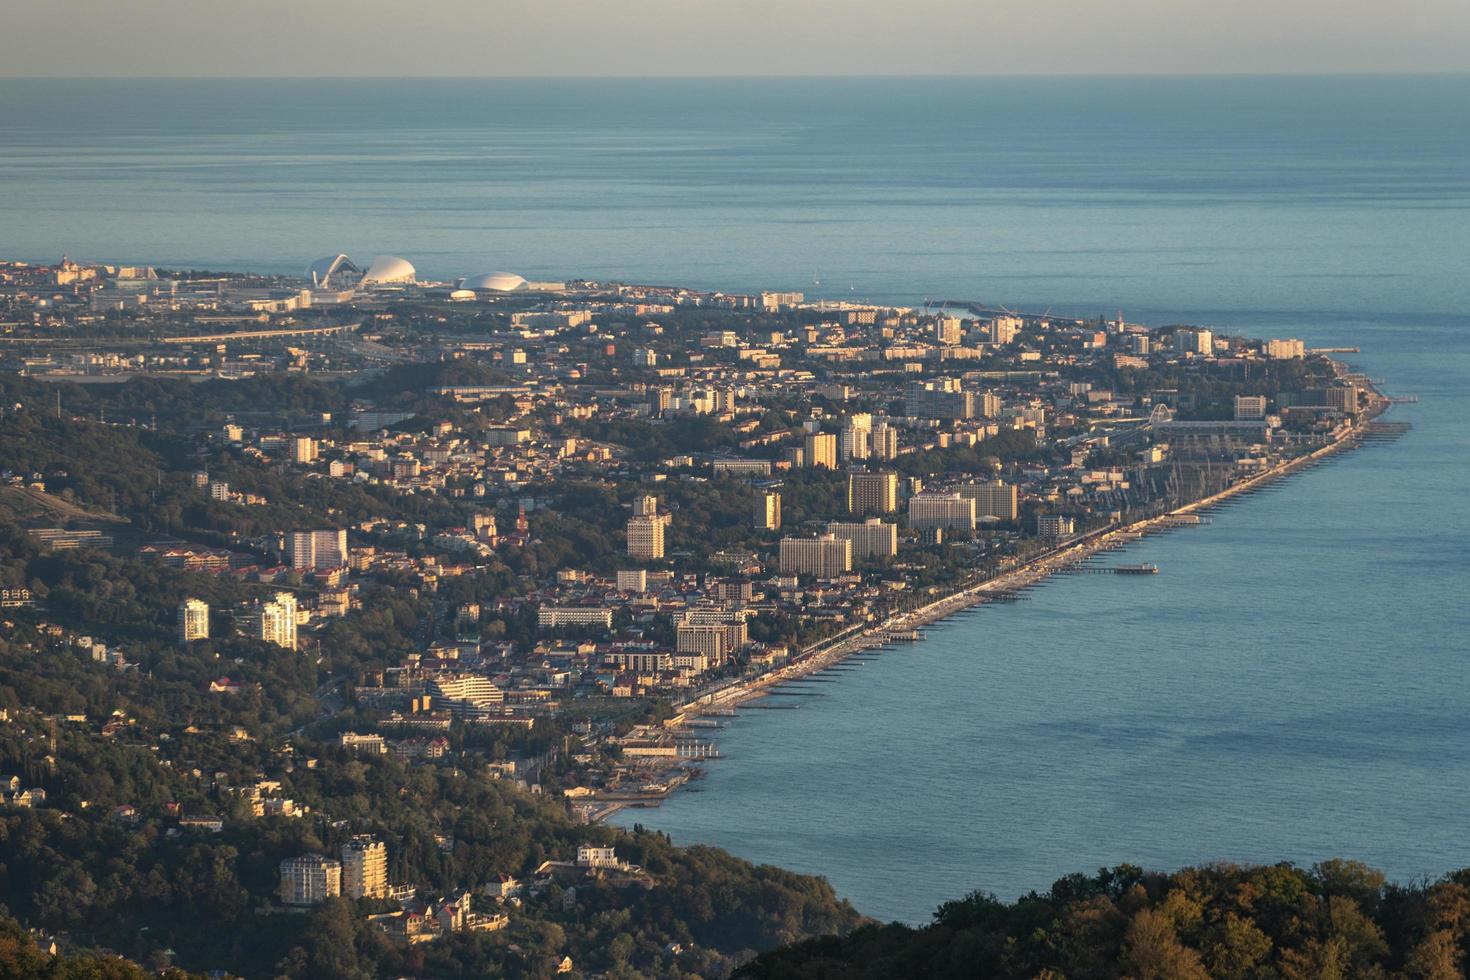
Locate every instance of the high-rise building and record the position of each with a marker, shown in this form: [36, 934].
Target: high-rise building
[943, 511]
[705, 639]
[312, 551]
[303, 449]
[870, 539]
[989, 405]
[193, 620]
[364, 868]
[274, 621]
[309, 879]
[948, 330]
[646, 537]
[1003, 329]
[942, 398]
[825, 556]
[993, 498]
[821, 450]
[884, 442]
[1194, 340]
[730, 621]
[645, 505]
[632, 580]
[855, 442]
[767, 510]
[872, 493]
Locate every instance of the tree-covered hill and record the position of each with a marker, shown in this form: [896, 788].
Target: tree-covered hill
[1339, 919]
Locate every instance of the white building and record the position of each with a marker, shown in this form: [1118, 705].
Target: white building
[364, 868]
[941, 511]
[993, 498]
[824, 557]
[1055, 526]
[767, 510]
[597, 857]
[870, 539]
[312, 551]
[464, 694]
[274, 621]
[193, 620]
[646, 537]
[309, 879]
[552, 617]
[1250, 408]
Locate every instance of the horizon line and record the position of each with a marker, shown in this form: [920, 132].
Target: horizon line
[759, 76]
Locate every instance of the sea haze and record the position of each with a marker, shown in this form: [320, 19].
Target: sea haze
[1290, 687]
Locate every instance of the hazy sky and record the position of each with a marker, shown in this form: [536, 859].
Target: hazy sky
[728, 37]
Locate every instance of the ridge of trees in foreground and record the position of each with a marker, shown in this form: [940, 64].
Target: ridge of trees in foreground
[1338, 919]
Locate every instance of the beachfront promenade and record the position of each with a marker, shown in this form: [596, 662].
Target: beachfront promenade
[1008, 581]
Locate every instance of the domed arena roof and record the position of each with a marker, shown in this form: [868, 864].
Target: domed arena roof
[388, 270]
[329, 270]
[494, 282]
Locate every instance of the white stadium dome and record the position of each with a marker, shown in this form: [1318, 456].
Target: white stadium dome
[326, 272]
[494, 282]
[388, 270]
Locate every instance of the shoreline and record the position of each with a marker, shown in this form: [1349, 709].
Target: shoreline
[866, 636]
[835, 649]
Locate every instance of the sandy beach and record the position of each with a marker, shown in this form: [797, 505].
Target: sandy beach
[866, 636]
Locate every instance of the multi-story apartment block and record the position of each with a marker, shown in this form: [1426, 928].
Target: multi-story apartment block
[646, 537]
[941, 511]
[872, 493]
[364, 868]
[821, 450]
[310, 879]
[825, 556]
[1055, 526]
[274, 621]
[870, 539]
[312, 551]
[993, 498]
[193, 620]
[767, 510]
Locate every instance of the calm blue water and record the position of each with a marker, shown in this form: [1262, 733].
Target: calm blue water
[1291, 687]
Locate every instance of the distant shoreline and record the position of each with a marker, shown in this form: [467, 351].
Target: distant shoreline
[834, 650]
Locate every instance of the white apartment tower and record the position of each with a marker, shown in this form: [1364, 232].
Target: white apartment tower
[646, 537]
[993, 498]
[364, 868]
[275, 621]
[826, 556]
[309, 879]
[942, 511]
[870, 539]
[311, 551]
[767, 510]
[193, 620]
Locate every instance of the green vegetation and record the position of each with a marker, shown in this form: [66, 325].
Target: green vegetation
[1339, 919]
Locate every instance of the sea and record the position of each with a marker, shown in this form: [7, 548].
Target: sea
[1292, 686]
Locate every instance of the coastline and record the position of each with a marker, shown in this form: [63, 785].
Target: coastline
[866, 636]
[835, 649]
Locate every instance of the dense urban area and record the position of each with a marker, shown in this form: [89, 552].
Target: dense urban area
[340, 609]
